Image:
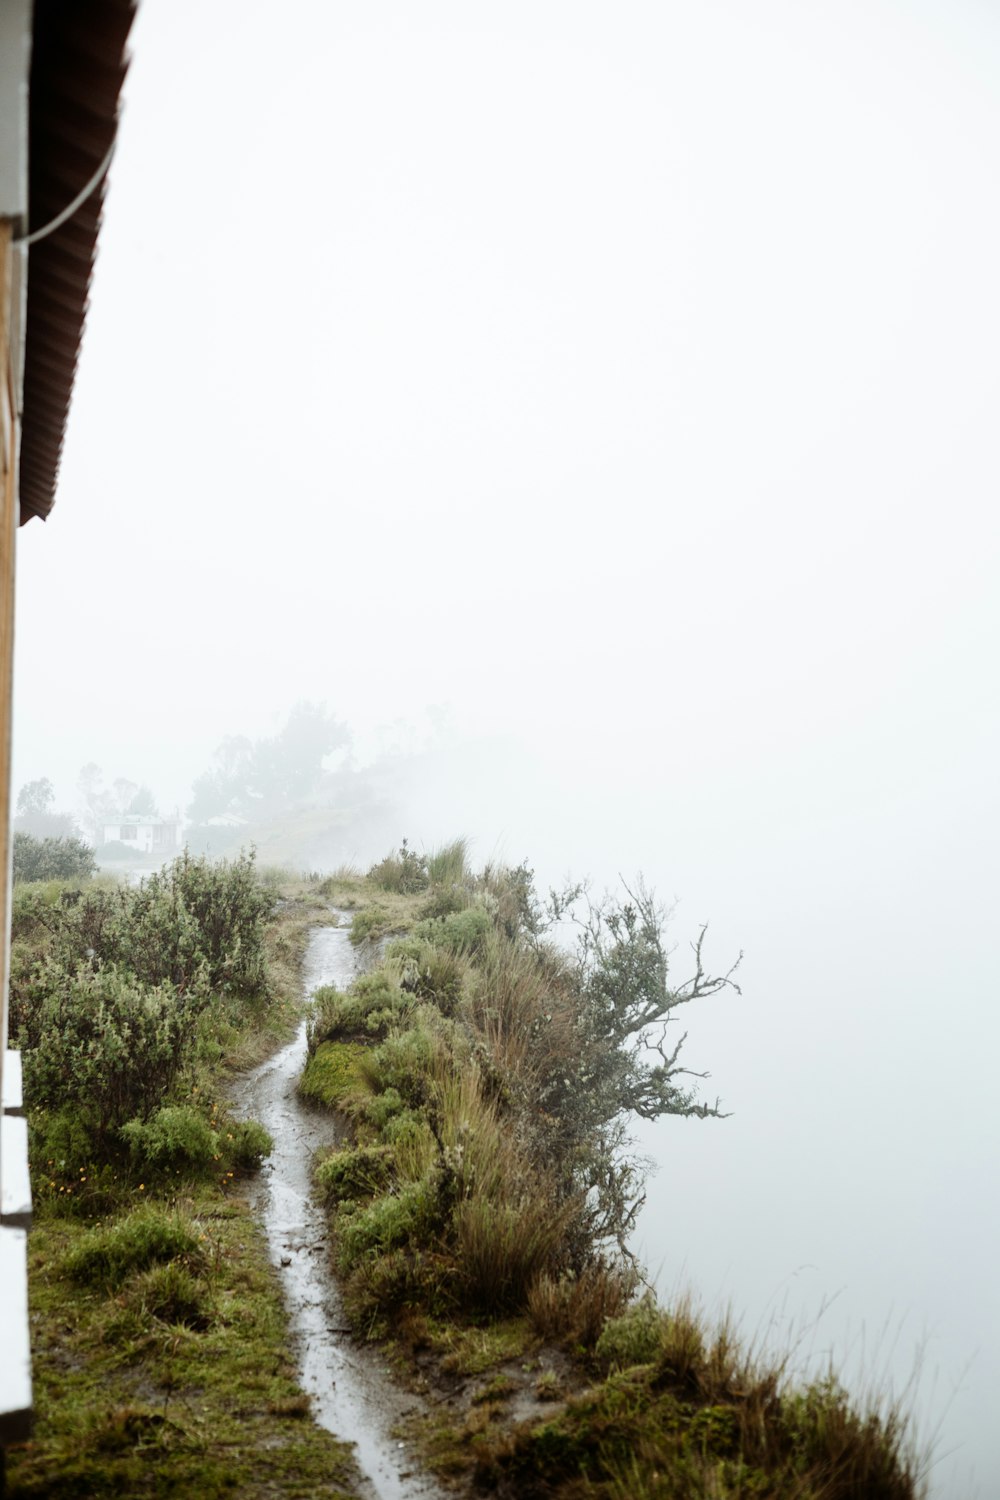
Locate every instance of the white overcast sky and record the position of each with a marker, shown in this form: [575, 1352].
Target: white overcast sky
[624, 380]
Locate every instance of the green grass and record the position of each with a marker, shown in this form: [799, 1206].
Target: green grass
[106, 1255]
[447, 865]
[179, 1382]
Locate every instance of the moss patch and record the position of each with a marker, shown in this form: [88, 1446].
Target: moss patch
[332, 1075]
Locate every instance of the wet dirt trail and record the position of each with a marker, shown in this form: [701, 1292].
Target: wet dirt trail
[352, 1395]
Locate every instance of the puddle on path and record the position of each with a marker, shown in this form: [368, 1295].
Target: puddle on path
[352, 1396]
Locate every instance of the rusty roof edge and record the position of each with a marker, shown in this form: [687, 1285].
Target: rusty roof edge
[63, 164]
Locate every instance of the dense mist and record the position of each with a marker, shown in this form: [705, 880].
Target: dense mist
[590, 410]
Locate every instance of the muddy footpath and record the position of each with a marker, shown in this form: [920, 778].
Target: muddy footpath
[350, 1388]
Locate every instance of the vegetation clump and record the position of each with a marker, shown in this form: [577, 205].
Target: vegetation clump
[105, 1256]
[122, 1001]
[158, 1333]
[403, 872]
[490, 1076]
[60, 858]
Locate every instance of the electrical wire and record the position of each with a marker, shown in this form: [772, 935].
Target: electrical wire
[25, 240]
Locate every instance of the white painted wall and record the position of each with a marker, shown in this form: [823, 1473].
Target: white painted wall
[142, 836]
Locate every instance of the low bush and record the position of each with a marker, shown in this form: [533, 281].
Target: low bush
[194, 923]
[106, 1256]
[411, 1215]
[403, 1278]
[369, 924]
[382, 1111]
[863, 1452]
[404, 872]
[246, 1144]
[461, 932]
[361, 1172]
[104, 1044]
[443, 900]
[403, 1062]
[51, 859]
[176, 1138]
[370, 1007]
[429, 972]
[635, 1338]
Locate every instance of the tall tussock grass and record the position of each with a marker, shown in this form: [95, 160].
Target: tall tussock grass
[446, 865]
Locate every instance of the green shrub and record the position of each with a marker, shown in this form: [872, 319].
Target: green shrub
[404, 873]
[40, 908]
[105, 1256]
[405, 1277]
[195, 925]
[369, 924]
[412, 1214]
[106, 1045]
[373, 1003]
[52, 859]
[864, 1451]
[360, 1172]
[247, 1145]
[635, 1338]
[176, 1138]
[443, 900]
[430, 972]
[403, 1063]
[461, 932]
[382, 1109]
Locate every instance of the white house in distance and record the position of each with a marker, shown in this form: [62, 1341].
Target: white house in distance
[144, 833]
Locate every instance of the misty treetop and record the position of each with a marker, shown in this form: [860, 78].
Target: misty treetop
[105, 804]
[254, 778]
[35, 812]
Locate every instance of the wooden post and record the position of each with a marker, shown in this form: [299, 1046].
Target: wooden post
[8, 535]
[15, 1193]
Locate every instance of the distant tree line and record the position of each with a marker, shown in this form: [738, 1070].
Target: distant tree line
[252, 780]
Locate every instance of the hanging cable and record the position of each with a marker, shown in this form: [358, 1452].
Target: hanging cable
[70, 210]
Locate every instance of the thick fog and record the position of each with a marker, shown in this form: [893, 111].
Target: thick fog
[595, 405]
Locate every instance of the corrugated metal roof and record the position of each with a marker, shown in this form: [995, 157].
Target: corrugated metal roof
[78, 64]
